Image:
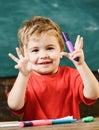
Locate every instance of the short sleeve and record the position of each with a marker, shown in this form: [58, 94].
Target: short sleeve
[85, 100]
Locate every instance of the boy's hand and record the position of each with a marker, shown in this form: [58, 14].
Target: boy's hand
[78, 52]
[23, 63]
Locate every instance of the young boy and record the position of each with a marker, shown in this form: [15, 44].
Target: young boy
[43, 89]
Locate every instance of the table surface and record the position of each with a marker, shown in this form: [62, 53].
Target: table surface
[79, 125]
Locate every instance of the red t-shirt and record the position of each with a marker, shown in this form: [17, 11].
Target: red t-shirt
[54, 96]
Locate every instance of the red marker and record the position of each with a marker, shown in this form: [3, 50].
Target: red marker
[35, 123]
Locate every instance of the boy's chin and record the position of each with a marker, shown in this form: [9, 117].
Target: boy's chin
[44, 72]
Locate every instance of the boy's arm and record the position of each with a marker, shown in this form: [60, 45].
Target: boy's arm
[91, 84]
[16, 98]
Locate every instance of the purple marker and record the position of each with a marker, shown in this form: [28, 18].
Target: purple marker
[69, 44]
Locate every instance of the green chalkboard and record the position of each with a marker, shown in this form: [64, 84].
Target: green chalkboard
[74, 16]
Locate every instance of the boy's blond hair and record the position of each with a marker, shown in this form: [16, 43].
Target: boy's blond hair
[35, 27]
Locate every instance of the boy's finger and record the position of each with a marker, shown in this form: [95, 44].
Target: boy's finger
[19, 53]
[79, 42]
[13, 57]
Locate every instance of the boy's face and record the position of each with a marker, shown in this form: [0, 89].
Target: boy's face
[45, 54]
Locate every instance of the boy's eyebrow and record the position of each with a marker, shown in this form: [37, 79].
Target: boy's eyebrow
[32, 48]
[50, 45]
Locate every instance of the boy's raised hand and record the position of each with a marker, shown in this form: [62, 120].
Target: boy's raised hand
[78, 52]
[23, 63]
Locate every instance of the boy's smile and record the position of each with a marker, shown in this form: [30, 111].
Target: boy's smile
[44, 54]
[45, 62]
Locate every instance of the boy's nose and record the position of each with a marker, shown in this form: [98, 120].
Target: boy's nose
[44, 55]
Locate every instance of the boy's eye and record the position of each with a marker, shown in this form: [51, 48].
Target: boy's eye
[35, 50]
[50, 48]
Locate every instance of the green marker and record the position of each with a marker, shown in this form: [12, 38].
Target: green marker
[88, 119]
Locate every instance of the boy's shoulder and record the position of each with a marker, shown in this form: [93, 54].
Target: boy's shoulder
[67, 68]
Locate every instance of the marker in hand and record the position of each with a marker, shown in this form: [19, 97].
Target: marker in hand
[69, 44]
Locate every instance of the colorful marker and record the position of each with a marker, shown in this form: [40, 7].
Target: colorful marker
[68, 119]
[68, 43]
[46, 122]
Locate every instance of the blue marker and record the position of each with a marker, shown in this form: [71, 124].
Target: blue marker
[63, 121]
[68, 44]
